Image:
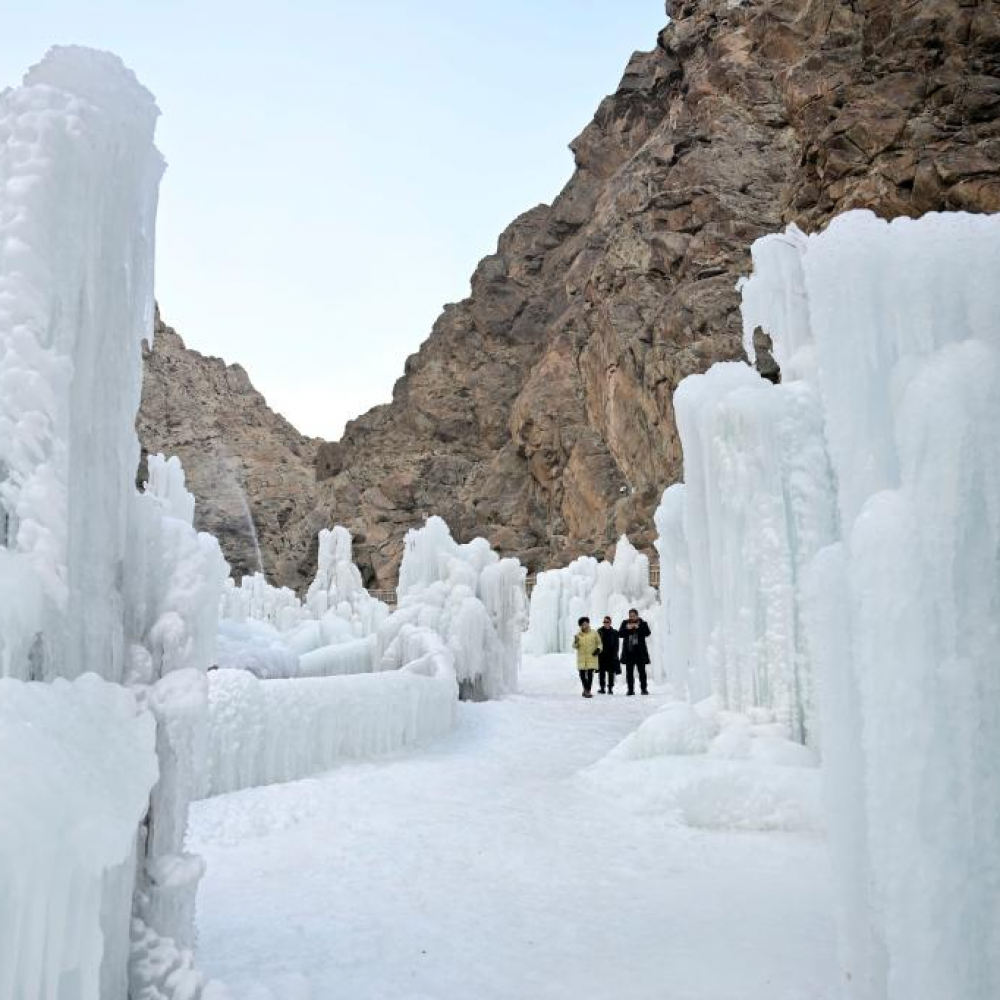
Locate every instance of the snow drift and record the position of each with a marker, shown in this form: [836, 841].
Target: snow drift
[714, 770]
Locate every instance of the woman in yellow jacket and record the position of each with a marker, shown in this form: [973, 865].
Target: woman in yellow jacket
[587, 644]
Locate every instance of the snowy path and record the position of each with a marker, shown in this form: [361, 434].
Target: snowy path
[481, 867]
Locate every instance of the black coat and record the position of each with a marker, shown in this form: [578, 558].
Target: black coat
[609, 647]
[634, 651]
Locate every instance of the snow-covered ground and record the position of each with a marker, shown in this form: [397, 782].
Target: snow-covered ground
[485, 866]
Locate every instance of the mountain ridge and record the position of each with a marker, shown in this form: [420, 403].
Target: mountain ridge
[538, 411]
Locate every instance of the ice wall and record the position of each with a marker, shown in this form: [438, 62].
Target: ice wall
[471, 598]
[894, 327]
[587, 587]
[264, 732]
[674, 661]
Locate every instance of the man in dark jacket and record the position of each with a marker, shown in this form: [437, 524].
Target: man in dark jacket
[634, 632]
[607, 665]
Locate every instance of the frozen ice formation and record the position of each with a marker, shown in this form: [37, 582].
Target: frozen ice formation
[757, 503]
[263, 732]
[115, 587]
[96, 580]
[469, 596]
[896, 328]
[78, 762]
[272, 633]
[587, 587]
[840, 533]
[78, 188]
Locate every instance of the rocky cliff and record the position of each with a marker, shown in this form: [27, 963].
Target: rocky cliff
[538, 411]
[250, 470]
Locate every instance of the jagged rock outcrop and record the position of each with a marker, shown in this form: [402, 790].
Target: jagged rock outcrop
[538, 412]
[250, 470]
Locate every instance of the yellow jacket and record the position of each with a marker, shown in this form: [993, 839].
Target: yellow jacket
[587, 645]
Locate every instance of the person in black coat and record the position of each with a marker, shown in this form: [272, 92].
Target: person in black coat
[634, 632]
[607, 664]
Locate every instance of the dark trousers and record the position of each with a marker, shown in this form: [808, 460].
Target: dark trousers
[587, 679]
[606, 676]
[630, 678]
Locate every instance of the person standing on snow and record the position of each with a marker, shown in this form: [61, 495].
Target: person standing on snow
[607, 662]
[634, 632]
[587, 644]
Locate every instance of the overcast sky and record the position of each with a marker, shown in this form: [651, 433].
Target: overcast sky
[337, 169]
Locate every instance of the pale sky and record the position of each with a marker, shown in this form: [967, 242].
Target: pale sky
[337, 169]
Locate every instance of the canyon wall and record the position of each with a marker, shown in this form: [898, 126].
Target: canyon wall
[538, 412]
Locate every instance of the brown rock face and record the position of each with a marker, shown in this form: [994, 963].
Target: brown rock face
[250, 470]
[538, 412]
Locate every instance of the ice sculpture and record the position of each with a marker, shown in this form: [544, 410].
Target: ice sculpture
[587, 587]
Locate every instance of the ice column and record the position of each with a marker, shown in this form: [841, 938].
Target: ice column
[94, 578]
[78, 188]
[757, 505]
[896, 327]
[673, 661]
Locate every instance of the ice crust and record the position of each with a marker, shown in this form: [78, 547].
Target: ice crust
[840, 533]
[588, 587]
